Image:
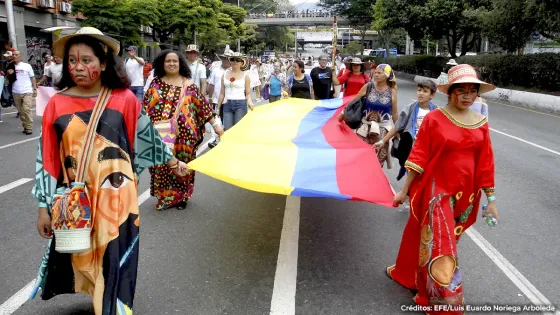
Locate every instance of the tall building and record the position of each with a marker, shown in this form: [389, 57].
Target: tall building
[30, 17]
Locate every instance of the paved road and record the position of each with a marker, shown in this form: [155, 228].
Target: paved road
[219, 256]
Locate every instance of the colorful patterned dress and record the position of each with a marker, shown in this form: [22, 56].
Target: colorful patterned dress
[126, 143]
[160, 102]
[454, 167]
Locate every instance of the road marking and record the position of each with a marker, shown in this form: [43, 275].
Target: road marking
[17, 300]
[509, 270]
[13, 185]
[22, 296]
[19, 142]
[526, 109]
[284, 292]
[527, 142]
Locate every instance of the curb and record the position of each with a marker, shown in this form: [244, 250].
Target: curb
[536, 101]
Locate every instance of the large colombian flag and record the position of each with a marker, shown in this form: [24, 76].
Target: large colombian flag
[297, 147]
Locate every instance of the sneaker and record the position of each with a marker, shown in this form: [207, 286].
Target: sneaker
[28, 132]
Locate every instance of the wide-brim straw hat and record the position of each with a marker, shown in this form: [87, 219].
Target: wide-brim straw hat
[452, 62]
[356, 61]
[60, 44]
[464, 74]
[244, 60]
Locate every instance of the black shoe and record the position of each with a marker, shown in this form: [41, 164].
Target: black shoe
[213, 144]
[17, 115]
[28, 132]
[402, 172]
[181, 205]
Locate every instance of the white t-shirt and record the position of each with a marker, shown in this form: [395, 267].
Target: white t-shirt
[420, 118]
[198, 72]
[46, 67]
[135, 72]
[54, 72]
[216, 81]
[23, 84]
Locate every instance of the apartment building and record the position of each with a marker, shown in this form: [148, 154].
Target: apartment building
[30, 17]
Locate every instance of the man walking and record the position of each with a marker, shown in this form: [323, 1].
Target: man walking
[198, 71]
[135, 70]
[323, 78]
[214, 89]
[24, 90]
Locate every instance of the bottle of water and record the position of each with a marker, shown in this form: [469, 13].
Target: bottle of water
[491, 221]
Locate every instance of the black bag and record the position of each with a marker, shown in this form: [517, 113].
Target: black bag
[5, 100]
[354, 111]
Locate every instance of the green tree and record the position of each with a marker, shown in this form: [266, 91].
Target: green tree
[120, 19]
[358, 12]
[547, 17]
[509, 25]
[353, 48]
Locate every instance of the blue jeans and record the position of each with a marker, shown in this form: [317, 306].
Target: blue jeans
[138, 91]
[234, 110]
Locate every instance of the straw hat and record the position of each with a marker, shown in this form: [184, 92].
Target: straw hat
[356, 61]
[464, 74]
[192, 48]
[452, 62]
[58, 45]
[244, 60]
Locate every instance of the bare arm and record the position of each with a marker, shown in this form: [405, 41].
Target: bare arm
[139, 60]
[210, 90]
[409, 179]
[203, 86]
[34, 82]
[334, 77]
[248, 95]
[43, 80]
[360, 94]
[394, 106]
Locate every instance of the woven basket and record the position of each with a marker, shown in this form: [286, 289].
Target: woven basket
[72, 241]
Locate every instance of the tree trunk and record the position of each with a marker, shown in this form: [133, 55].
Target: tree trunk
[363, 39]
[452, 40]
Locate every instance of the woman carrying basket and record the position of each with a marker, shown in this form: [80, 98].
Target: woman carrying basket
[96, 139]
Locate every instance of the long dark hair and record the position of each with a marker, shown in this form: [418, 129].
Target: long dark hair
[300, 65]
[159, 69]
[114, 76]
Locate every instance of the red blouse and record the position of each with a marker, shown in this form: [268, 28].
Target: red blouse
[354, 82]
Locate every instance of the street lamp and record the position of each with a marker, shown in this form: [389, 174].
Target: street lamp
[239, 39]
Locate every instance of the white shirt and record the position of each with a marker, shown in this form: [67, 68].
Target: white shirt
[234, 90]
[54, 72]
[135, 72]
[420, 118]
[198, 72]
[46, 67]
[216, 81]
[23, 84]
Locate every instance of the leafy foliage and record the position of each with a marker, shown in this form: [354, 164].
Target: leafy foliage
[535, 71]
[508, 25]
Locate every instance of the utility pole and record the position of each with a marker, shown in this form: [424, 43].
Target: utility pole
[11, 23]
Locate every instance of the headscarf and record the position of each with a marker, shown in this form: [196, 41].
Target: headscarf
[389, 73]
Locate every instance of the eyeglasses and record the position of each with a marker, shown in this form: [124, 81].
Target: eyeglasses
[323, 60]
[235, 60]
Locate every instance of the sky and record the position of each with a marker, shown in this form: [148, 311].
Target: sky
[304, 4]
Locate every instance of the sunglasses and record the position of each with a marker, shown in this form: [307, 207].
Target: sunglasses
[236, 60]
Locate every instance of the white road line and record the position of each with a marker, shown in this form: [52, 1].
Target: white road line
[17, 300]
[19, 142]
[13, 185]
[532, 293]
[284, 292]
[527, 142]
[22, 296]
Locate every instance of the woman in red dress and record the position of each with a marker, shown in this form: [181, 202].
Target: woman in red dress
[448, 171]
[354, 78]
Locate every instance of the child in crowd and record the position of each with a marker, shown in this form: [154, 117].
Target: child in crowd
[408, 124]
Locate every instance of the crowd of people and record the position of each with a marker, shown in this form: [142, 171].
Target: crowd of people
[445, 154]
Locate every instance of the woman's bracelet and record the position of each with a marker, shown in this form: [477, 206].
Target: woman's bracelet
[381, 142]
[491, 198]
[215, 124]
[174, 166]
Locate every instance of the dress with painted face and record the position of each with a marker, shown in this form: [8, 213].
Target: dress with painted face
[125, 144]
[455, 166]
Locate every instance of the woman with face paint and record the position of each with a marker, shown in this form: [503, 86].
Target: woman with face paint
[448, 174]
[174, 96]
[125, 143]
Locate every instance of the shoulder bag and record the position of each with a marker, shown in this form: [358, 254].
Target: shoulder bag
[168, 128]
[71, 215]
[354, 111]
